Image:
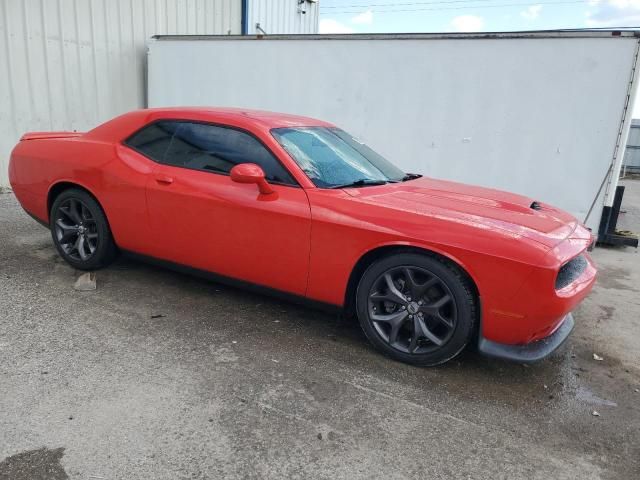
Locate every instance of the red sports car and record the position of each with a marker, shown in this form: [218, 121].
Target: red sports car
[298, 207]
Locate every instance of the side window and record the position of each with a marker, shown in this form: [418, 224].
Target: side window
[153, 140]
[218, 149]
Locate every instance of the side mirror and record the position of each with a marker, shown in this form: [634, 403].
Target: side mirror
[251, 173]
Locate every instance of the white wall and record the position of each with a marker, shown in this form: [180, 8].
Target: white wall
[72, 64]
[529, 114]
[282, 16]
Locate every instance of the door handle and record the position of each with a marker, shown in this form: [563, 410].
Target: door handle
[164, 180]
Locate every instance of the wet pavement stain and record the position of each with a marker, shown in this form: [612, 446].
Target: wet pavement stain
[585, 395]
[607, 312]
[616, 278]
[40, 464]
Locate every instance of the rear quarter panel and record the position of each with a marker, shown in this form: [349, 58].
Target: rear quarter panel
[117, 183]
[34, 166]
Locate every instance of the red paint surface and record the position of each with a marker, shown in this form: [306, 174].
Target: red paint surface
[305, 240]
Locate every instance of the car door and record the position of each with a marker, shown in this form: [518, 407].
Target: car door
[200, 218]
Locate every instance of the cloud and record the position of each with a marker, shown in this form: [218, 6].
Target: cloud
[613, 13]
[329, 25]
[467, 23]
[365, 18]
[532, 12]
[626, 4]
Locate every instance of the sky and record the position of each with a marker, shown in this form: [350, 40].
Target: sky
[388, 16]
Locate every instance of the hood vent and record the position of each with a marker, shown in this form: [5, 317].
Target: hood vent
[535, 206]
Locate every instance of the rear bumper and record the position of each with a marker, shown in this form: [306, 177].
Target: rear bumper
[529, 352]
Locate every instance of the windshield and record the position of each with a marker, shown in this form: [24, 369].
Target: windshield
[332, 158]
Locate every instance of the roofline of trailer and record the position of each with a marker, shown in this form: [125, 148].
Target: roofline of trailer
[571, 33]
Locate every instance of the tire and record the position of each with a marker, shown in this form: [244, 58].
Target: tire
[80, 231]
[407, 292]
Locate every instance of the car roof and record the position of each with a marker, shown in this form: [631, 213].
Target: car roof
[123, 126]
[262, 117]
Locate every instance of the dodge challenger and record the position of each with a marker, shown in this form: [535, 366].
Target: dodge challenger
[298, 207]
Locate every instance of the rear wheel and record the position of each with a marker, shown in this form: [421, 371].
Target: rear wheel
[416, 308]
[80, 231]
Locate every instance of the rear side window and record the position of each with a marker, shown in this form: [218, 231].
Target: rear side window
[210, 148]
[153, 140]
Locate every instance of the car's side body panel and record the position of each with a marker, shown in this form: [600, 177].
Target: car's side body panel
[209, 222]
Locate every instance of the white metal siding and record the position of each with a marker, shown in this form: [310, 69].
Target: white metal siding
[72, 64]
[632, 154]
[282, 17]
[538, 116]
[632, 161]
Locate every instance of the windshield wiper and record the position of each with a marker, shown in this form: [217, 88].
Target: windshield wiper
[410, 176]
[363, 182]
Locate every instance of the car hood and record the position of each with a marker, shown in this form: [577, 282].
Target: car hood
[482, 207]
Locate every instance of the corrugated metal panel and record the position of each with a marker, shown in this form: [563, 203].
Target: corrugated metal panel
[632, 160]
[71, 64]
[282, 16]
[634, 136]
[632, 153]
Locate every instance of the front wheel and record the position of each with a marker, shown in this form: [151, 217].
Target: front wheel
[416, 308]
[80, 231]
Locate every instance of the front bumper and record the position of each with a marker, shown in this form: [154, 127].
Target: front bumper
[529, 352]
[545, 298]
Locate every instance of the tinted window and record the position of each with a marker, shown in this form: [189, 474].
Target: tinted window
[332, 158]
[153, 140]
[206, 147]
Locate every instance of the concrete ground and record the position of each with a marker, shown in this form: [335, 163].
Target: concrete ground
[157, 375]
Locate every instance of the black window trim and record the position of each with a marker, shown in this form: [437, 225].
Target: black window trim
[213, 124]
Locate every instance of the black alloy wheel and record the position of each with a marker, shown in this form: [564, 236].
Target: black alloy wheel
[412, 309]
[76, 230]
[80, 230]
[416, 308]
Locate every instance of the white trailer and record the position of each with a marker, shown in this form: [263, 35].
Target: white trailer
[545, 114]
